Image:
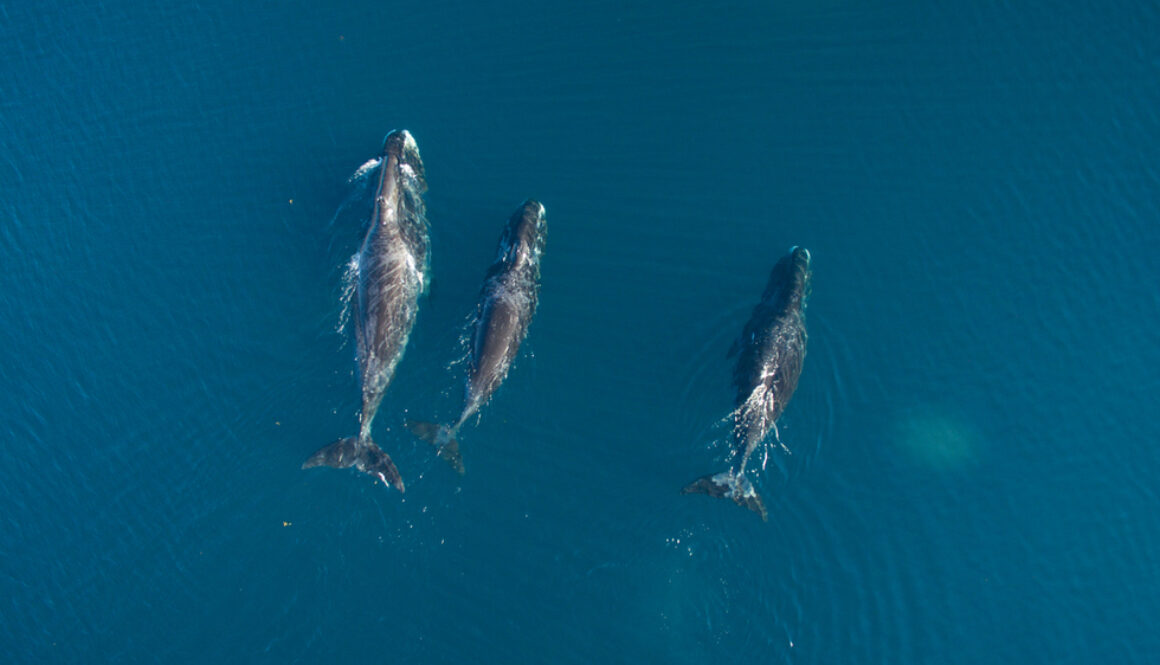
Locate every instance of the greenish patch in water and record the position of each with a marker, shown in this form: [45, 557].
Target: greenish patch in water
[938, 437]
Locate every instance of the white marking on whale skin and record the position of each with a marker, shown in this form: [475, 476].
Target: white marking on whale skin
[406, 260]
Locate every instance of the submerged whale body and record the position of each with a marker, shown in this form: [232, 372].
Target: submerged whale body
[771, 350]
[391, 273]
[506, 304]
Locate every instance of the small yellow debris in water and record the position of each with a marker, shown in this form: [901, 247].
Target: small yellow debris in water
[284, 523]
[291, 201]
[278, 423]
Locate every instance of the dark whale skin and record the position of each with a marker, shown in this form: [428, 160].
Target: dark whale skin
[771, 351]
[507, 302]
[391, 274]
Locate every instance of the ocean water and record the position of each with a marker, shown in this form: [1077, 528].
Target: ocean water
[973, 476]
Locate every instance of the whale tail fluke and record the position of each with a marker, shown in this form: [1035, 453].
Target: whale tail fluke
[363, 454]
[443, 438]
[729, 485]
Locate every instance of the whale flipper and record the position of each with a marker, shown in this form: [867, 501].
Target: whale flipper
[362, 454]
[443, 438]
[734, 348]
[729, 485]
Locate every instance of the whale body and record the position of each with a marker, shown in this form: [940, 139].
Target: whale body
[391, 272]
[505, 307]
[771, 350]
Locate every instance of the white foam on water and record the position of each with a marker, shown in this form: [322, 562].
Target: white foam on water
[363, 171]
[359, 181]
[349, 284]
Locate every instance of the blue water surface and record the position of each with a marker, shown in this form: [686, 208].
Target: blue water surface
[974, 463]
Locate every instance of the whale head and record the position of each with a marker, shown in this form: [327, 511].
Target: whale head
[534, 222]
[789, 282]
[800, 259]
[400, 150]
[523, 238]
[399, 142]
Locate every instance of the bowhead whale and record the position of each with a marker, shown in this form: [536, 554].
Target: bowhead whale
[771, 350]
[506, 304]
[391, 273]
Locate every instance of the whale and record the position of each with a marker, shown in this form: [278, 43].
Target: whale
[390, 271]
[506, 304]
[770, 353]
